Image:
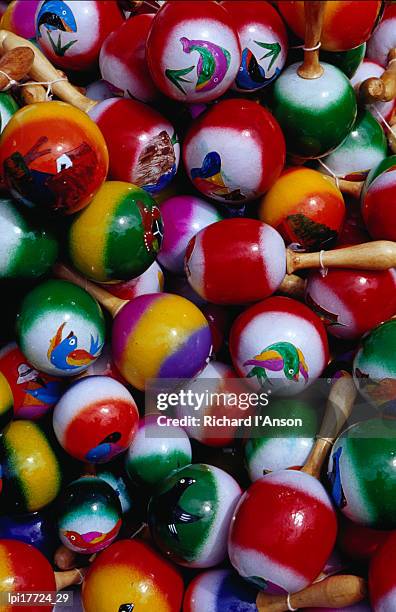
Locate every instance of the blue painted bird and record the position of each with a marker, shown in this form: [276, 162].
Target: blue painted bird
[56, 15]
[335, 480]
[65, 355]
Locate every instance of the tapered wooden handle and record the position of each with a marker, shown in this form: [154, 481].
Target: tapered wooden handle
[352, 188]
[42, 70]
[14, 65]
[338, 409]
[332, 592]
[376, 255]
[32, 93]
[382, 89]
[112, 303]
[314, 13]
[293, 286]
[70, 577]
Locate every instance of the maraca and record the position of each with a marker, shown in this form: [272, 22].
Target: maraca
[8, 108]
[130, 575]
[351, 302]
[193, 51]
[359, 542]
[96, 419]
[60, 328]
[219, 590]
[151, 281]
[369, 69]
[287, 513]
[363, 149]
[279, 344]
[119, 485]
[34, 393]
[118, 236]
[71, 33]
[157, 335]
[234, 152]
[277, 450]
[27, 250]
[382, 577]
[183, 216]
[31, 471]
[374, 366]
[383, 39]
[264, 43]
[305, 208]
[314, 103]
[20, 18]
[89, 515]
[189, 515]
[122, 59]
[36, 529]
[378, 198]
[347, 61]
[56, 165]
[362, 473]
[6, 402]
[156, 452]
[345, 24]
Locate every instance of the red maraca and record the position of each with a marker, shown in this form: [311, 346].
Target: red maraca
[284, 527]
[359, 542]
[382, 577]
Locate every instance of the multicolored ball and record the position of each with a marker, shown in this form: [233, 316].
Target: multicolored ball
[183, 217]
[123, 61]
[193, 51]
[280, 449]
[219, 591]
[264, 43]
[60, 328]
[189, 516]
[90, 515]
[160, 335]
[156, 452]
[378, 200]
[31, 471]
[143, 146]
[71, 33]
[305, 208]
[19, 18]
[279, 344]
[8, 108]
[27, 250]
[315, 115]
[384, 37]
[118, 236]
[352, 302]
[119, 486]
[96, 419]
[362, 473]
[6, 402]
[34, 393]
[24, 569]
[236, 261]
[130, 575]
[382, 584]
[55, 165]
[234, 152]
[374, 366]
[151, 281]
[279, 518]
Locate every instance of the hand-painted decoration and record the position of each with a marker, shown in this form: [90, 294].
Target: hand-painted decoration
[60, 328]
[89, 516]
[96, 419]
[118, 236]
[189, 515]
[279, 344]
[143, 146]
[71, 33]
[193, 51]
[55, 165]
[34, 392]
[234, 152]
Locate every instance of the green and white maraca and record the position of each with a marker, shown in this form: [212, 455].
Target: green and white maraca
[26, 249]
[8, 107]
[362, 473]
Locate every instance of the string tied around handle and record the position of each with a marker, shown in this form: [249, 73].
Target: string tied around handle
[49, 84]
[288, 602]
[323, 269]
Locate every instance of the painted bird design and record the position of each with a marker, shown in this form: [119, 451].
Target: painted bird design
[335, 480]
[92, 539]
[251, 75]
[210, 174]
[105, 450]
[275, 358]
[212, 65]
[56, 15]
[168, 509]
[64, 354]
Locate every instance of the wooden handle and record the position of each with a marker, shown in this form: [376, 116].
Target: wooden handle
[15, 64]
[65, 558]
[376, 255]
[382, 89]
[43, 70]
[112, 303]
[352, 188]
[333, 592]
[70, 577]
[338, 409]
[392, 132]
[32, 93]
[314, 12]
[293, 286]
